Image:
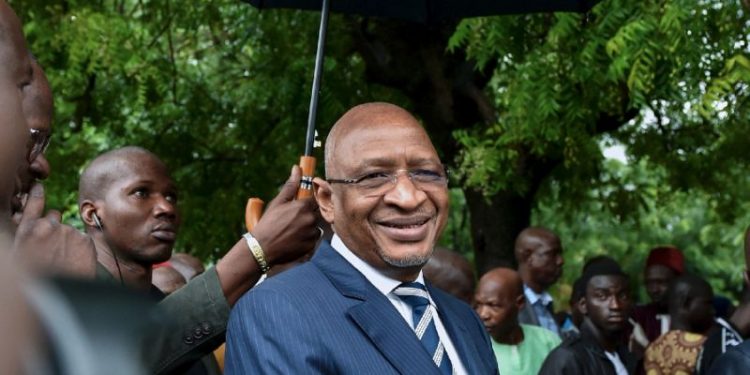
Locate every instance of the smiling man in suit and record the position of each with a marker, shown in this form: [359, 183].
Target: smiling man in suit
[361, 304]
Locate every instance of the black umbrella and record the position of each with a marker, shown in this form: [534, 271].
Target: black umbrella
[423, 11]
[429, 11]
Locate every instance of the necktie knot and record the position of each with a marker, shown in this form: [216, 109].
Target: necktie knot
[415, 294]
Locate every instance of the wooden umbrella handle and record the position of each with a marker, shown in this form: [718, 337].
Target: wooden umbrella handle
[307, 164]
[253, 211]
[254, 208]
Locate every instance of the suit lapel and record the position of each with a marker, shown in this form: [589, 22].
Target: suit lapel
[457, 331]
[375, 315]
[528, 314]
[392, 336]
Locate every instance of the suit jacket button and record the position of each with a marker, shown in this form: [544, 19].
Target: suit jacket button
[206, 328]
[188, 340]
[197, 333]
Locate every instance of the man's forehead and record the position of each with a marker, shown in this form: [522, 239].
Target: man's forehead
[608, 282]
[12, 40]
[139, 167]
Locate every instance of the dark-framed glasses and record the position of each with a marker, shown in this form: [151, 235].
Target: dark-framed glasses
[380, 182]
[38, 143]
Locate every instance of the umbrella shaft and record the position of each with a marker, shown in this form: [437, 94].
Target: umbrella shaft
[310, 137]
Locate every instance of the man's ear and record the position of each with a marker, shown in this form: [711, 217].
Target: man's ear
[582, 306]
[87, 209]
[746, 276]
[520, 302]
[324, 196]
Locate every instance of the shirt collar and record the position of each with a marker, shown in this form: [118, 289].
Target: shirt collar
[383, 283]
[533, 296]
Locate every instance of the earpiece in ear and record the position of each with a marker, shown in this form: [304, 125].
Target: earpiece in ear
[97, 221]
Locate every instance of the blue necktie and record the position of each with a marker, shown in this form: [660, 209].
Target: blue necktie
[415, 295]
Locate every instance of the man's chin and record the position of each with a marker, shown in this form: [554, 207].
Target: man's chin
[406, 257]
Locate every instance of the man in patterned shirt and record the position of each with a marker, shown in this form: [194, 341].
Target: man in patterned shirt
[691, 313]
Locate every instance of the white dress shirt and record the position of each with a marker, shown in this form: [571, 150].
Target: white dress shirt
[386, 285]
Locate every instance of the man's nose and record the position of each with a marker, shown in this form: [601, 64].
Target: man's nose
[481, 311]
[165, 207]
[40, 168]
[615, 303]
[405, 193]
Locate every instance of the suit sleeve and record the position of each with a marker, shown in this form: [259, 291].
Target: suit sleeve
[561, 361]
[268, 335]
[198, 313]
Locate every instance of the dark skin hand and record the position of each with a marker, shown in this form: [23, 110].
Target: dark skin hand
[47, 246]
[285, 232]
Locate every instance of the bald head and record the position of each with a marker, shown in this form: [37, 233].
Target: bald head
[366, 115]
[539, 255]
[186, 264]
[504, 281]
[167, 279]
[98, 177]
[451, 272]
[530, 239]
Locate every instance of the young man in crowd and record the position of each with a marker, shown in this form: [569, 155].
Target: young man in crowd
[539, 255]
[519, 348]
[728, 333]
[691, 313]
[664, 264]
[599, 349]
[360, 305]
[128, 202]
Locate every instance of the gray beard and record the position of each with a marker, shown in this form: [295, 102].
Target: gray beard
[410, 262]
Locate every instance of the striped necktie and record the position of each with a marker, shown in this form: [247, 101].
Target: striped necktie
[415, 295]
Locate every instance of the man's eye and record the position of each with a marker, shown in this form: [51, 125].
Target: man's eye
[140, 193]
[171, 198]
[426, 174]
[374, 179]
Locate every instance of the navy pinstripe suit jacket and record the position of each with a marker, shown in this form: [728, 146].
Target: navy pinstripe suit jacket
[324, 317]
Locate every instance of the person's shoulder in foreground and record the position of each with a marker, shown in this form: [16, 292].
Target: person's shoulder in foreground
[735, 361]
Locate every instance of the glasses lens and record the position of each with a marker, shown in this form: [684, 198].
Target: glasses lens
[38, 143]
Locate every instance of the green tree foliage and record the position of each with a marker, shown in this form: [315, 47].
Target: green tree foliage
[646, 63]
[217, 89]
[220, 91]
[668, 79]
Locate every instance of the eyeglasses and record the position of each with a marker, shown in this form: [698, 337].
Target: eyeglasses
[38, 143]
[378, 183]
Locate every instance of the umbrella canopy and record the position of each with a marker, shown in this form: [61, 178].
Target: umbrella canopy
[429, 11]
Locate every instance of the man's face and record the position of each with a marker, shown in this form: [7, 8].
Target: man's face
[37, 110]
[658, 278]
[607, 303]
[545, 261]
[496, 306]
[139, 211]
[396, 229]
[15, 76]
[701, 311]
